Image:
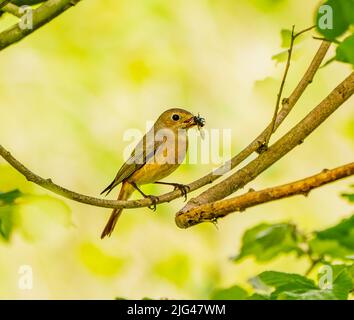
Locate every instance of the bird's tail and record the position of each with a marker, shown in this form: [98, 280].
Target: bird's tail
[124, 194]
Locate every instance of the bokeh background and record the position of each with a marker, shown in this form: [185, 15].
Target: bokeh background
[69, 92]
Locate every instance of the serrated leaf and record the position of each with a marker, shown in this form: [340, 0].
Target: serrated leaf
[232, 293]
[345, 53]
[342, 281]
[286, 281]
[336, 242]
[307, 295]
[266, 241]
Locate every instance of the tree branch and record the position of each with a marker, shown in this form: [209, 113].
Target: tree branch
[49, 185]
[280, 148]
[3, 3]
[212, 211]
[12, 9]
[338, 96]
[43, 14]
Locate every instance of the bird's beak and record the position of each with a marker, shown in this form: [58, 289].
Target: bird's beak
[190, 122]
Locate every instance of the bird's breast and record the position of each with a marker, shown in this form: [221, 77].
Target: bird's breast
[168, 156]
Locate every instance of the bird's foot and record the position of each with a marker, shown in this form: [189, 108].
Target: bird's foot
[154, 201]
[183, 188]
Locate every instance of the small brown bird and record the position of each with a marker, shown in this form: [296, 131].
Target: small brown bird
[156, 156]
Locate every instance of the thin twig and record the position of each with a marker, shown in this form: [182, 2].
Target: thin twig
[313, 264]
[282, 84]
[303, 31]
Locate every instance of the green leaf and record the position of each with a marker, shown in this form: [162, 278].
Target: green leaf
[280, 57]
[266, 241]
[290, 286]
[258, 296]
[348, 9]
[336, 242]
[333, 22]
[6, 222]
[285, 38]
[232, 293]
[283, 281]
[307, 295]
[342, 281]
[345, 52]
[9, 197]
[330, 248]
[349, 196]
[7, 208]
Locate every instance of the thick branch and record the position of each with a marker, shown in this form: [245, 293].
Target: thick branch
[219, 209]
[279, 149]
[45, 13]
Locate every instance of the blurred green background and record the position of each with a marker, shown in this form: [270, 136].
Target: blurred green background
[69, 92]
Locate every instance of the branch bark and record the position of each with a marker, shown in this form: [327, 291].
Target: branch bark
[12, 9]
[280, 148]
[212, 211]
[43, 14]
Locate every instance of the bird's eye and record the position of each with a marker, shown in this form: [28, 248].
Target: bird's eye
[175, 117]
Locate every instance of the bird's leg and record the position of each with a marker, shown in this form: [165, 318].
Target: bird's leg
[182, 187]
[153, 199]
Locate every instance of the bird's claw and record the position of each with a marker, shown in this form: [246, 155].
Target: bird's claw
[154, 201]
[183, 188]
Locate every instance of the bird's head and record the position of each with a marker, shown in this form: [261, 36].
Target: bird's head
[177, 118]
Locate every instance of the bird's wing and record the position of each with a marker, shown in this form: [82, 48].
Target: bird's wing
[138, 158]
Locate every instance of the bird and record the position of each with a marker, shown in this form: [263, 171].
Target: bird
[156, 156]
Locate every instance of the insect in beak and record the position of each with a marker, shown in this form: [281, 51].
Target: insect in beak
[199, 121]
